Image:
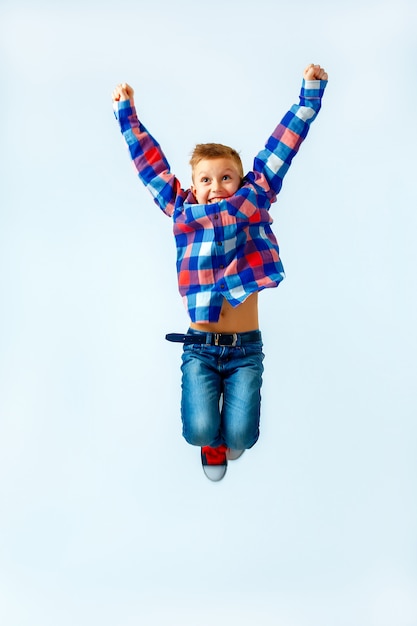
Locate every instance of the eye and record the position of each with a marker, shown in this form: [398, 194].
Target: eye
[205, 179]
[226, 177]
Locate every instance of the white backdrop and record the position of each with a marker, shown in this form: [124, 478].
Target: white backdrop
[105, 515]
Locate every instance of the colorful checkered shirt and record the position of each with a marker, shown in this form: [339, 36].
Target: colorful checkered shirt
[225, 249]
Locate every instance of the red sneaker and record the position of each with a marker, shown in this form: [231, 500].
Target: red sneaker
[214, 462]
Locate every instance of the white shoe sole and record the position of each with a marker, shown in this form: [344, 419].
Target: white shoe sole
[215, 472]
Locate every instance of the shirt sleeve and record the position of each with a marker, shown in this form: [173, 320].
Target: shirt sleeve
[148, 159]
[273, 162]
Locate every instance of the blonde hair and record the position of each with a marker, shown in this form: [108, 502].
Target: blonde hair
[215, 151]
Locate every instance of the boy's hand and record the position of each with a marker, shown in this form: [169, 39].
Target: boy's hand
[314, 72]
[123, 92]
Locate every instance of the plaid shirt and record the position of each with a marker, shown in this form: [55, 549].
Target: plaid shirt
[226, 249]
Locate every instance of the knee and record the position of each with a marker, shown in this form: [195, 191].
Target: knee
[199, 433]
[242, 437]
[242, 441]
[195, 439]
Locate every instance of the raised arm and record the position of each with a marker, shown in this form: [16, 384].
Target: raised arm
[147, 157]
[273, 162]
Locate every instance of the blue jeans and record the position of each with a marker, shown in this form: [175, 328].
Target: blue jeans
[221, 397]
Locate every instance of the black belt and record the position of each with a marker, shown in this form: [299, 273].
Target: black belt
[216, 339]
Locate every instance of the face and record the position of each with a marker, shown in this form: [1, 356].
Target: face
[215, 179]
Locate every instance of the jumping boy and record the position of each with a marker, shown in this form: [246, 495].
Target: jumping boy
[226, 254]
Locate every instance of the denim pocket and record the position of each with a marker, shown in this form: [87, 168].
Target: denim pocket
[253, 349]
[192, 347]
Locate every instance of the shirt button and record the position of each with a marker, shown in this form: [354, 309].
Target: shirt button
[216, 217]
[219, 243]
[222, 286]
[221, 267]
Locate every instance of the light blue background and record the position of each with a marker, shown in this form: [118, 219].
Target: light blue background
[105, 515]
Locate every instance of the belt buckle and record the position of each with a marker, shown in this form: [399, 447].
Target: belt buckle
[217, 337]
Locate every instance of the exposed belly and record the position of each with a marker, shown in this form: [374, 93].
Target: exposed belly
[234, 320]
